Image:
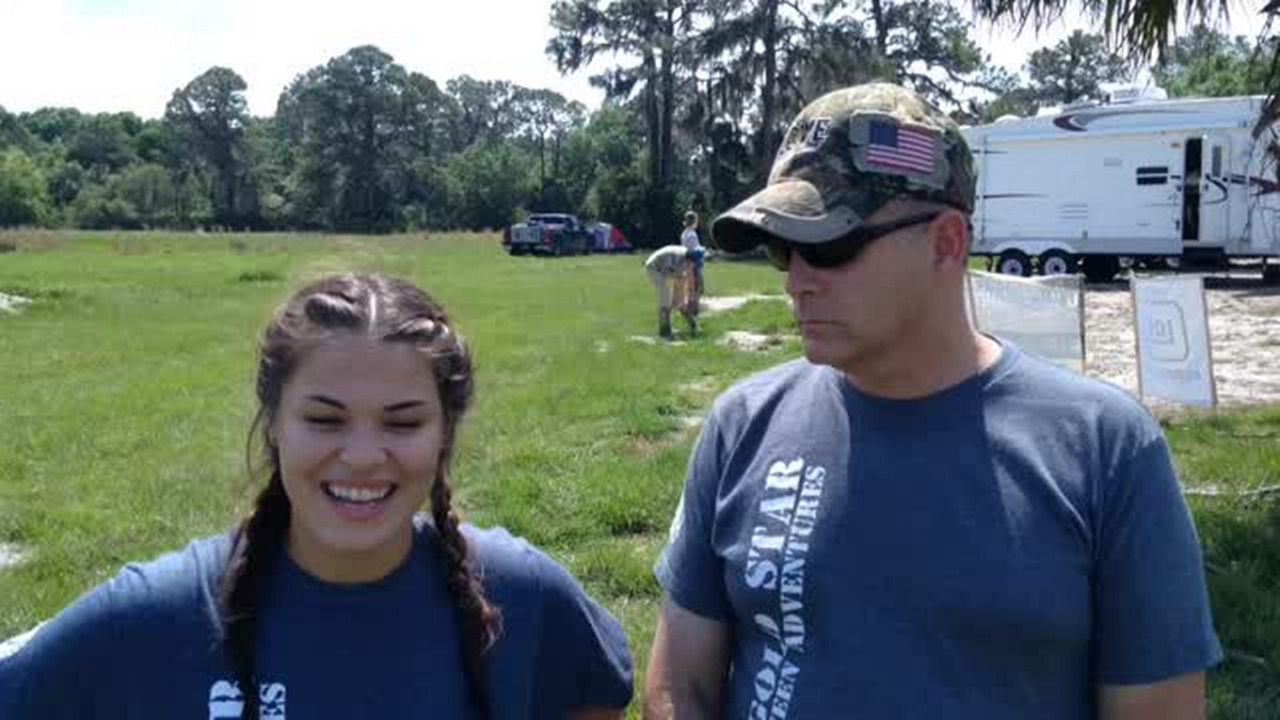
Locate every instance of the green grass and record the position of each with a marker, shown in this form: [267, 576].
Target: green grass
[127, 395]
[1233, 455]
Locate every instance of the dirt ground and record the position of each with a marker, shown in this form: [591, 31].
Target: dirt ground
[1244, 322]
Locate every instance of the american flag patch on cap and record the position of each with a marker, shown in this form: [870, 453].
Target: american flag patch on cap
[901, 148]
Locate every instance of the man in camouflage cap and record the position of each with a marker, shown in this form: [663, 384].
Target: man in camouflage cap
[917, 520]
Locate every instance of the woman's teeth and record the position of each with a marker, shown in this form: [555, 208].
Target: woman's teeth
[358, 494]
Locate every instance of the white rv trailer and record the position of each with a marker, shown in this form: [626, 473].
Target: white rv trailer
[1087, 185]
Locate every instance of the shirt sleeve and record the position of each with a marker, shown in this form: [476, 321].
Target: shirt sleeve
[689, 568]
[1152, 619]
[67, 667]
[583, 660]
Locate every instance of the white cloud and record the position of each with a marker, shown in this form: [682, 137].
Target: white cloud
[133, 58]
[108, 55]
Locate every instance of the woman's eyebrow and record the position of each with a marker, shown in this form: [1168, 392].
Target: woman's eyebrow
[404, 405]
[393, 407]
[327, 401]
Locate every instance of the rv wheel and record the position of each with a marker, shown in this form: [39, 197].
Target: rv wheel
[1056, 262]
[1013, 262]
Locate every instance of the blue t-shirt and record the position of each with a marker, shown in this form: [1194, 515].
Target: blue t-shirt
[995, 550]
[146, 643]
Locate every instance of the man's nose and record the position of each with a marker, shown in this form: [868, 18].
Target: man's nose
[801, 277]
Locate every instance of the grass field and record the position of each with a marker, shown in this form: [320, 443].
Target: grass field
[126, 394]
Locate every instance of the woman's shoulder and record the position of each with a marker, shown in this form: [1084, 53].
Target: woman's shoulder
[190, 572]
[138, 607]
[506, 563]
[174, 582]
[498, 556]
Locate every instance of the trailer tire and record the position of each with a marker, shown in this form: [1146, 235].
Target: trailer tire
[1013, 262]
[1101, 268]
[1057, 262]
[1271, 274]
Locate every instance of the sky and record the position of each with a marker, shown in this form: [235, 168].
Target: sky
[116, 55]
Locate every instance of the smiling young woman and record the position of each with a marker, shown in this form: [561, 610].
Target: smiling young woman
[335, 597]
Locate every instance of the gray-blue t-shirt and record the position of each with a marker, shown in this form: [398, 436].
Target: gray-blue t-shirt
[995, 550]
[146, 643]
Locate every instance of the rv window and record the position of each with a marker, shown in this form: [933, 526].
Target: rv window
[1153, 175]
[1217, 160]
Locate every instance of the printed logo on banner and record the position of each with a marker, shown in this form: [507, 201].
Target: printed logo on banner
[1174, 355]
[1167, 328]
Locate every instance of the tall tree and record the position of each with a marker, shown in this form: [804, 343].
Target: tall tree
[764, 59]
[1073, 69]
[754, 39]
[12, 132]
[485, 110]
[928, 40]
[652, 36]
[210, 115]
[548, 117]
[24, 199]
[101, 145]
[1208, 63]
[356, 121]
[52, 125]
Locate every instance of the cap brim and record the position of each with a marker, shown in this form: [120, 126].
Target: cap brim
[791, 210]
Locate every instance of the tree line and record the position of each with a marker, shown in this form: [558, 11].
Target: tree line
[696, 96]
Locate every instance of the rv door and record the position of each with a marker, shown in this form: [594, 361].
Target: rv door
[1215, 190]
[1192, 187]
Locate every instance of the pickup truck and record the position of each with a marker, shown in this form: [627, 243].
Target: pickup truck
[549, 233]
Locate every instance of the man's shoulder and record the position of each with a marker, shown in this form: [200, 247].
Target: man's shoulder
[1038, 384]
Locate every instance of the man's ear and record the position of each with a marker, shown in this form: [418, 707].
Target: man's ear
[949, 239]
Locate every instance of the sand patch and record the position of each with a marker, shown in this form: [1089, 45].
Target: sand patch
[701, 386]
[13, 304]
[1244, 324]
[748, 341]
[11, 555]
[655, 340]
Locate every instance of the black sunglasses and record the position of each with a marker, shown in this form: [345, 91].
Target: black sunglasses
[843, 249]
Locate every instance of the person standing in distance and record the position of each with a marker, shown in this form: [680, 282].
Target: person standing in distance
[335, 598]
[697, 253]
[917, 520]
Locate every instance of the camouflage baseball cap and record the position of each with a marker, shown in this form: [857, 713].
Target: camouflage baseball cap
[844, 157]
